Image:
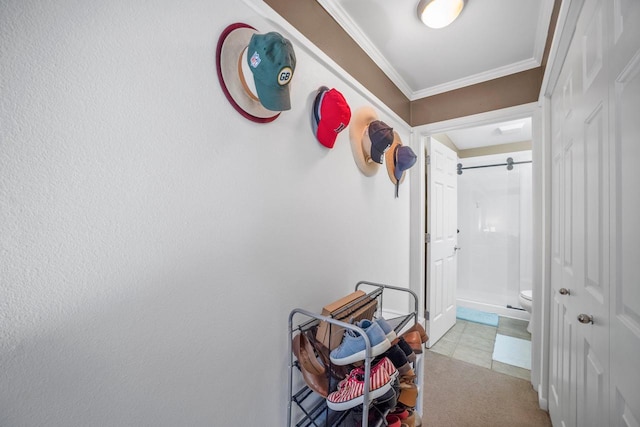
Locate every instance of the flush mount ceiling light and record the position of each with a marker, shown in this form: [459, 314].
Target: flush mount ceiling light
[439, 13]
[511, 128]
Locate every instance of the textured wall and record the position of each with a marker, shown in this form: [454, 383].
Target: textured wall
[153, 241]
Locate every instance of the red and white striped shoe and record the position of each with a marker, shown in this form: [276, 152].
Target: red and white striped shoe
[386, 363]
[350, 392]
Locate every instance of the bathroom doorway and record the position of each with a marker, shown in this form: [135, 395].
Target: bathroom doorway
[504, 137]
[495, 223]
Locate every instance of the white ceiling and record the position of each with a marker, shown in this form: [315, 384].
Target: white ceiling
[492, 134]
[490, 39]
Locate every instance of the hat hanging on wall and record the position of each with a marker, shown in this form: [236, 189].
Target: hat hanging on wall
[254, 71]
[398, 159]
[370, 138]
[330, 115]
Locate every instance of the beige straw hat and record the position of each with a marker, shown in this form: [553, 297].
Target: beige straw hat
[369, 138]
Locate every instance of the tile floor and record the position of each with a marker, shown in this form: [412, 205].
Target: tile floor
[473, 343]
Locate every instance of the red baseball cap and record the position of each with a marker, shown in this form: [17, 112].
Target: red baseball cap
[331, 115]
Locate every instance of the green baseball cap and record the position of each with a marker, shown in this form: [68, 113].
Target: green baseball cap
[272, 61]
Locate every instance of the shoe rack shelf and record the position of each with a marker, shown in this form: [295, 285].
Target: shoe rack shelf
[312, 408]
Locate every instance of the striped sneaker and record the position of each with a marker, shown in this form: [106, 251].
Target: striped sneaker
[388, 366]
[350, 392]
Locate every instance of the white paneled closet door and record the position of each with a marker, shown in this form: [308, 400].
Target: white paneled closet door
[624, 104]
[567, 225]
[592, 289]
[595, 325]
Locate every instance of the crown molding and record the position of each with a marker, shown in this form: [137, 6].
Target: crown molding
[495, 73]
[336, 11]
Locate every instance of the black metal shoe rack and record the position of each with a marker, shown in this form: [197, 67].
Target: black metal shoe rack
[312, 408]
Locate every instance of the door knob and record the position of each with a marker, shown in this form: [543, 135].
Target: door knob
[456, 248]
[564, 291]
[585, 318]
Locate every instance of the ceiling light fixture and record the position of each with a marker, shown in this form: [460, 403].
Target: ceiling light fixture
[439, 13]
[511, 128]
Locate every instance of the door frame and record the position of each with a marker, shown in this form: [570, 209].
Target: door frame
[539, 345]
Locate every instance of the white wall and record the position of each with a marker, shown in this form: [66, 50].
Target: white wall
[152, 240]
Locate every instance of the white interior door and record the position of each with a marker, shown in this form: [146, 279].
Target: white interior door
[624, 104]
[562, 375]
[592, 290]
[442, 223]
[595, 342]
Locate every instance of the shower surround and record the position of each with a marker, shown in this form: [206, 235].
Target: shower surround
[495, 233]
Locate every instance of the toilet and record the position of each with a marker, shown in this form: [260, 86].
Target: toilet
[525, 300]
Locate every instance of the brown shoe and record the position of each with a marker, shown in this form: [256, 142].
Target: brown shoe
[411, 419]
[413, 339]
[313, 372]
[423, 334]
[408, 395]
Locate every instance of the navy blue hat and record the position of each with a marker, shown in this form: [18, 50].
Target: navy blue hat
[398, 159]
[381, 137]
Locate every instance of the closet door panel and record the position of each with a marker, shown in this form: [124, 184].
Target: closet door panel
[592, 166]
[625, 228]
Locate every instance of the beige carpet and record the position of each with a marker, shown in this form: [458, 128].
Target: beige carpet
[459, 394]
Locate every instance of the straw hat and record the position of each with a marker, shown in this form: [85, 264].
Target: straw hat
[235, 77]
[369, 138]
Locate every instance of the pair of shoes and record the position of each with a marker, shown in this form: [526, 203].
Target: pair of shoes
[386, 328]
[388, 366]
[350, 392]
[393, 421]
[353, 348]
[417, 327]
[413, 339]
[406, 348]
[408, 394]
[313, 372]
[385, 403]
[399, 360]
[412, 420]
[397, 418]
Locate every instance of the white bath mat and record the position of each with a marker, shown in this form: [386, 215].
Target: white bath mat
[512, 351]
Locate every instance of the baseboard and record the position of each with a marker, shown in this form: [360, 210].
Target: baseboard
[542, 402]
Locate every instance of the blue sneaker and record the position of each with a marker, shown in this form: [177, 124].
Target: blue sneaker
[353, 349]
[386, 328]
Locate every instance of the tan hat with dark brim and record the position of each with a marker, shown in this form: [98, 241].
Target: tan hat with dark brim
[236, 84]
[367, 154]
[390, 161]
[398, 159]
